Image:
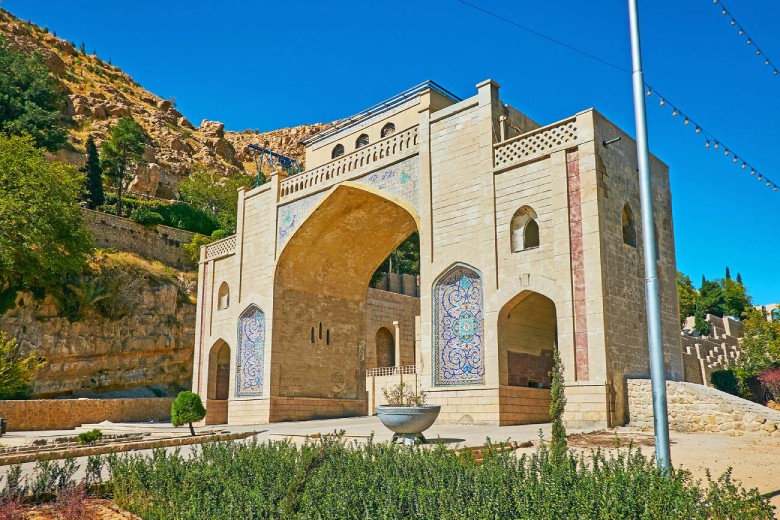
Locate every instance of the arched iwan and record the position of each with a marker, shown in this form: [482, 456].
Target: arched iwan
[458, 348]
[250, 353]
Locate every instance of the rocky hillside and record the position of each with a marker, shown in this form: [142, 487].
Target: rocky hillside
[99, 93]
[144, 350]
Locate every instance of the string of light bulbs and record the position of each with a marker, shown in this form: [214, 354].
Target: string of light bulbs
[710, 141]
[734, 23]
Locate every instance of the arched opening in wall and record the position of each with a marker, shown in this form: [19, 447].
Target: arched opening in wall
[361, 141]
[629, 226]
[400, 271]
[223, 296]
[385, 348]
[388, 130]
[775, 314]
[524, 229]
[349, 233]
[338, 151]
[527, 335]
[219, 372]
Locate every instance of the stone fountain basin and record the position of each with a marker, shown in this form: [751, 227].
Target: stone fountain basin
[408, 419]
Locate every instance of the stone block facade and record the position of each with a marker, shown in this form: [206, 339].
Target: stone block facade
[696, 408]
[64, 414]
[528, 243]
[162, 243]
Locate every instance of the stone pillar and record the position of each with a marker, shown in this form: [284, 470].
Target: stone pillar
[397, 337]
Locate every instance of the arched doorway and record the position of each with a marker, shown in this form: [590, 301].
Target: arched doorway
[385, 348]
[322, 277]
[218, 390]
[527, 337]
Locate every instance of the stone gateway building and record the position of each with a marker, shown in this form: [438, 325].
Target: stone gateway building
[530, 240]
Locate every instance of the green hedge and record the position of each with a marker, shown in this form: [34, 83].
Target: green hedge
[333, 480]
[179, 215]
[725, 381]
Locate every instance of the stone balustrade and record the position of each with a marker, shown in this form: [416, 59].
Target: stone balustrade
[389, 149]
[220, 248]
[536, 143]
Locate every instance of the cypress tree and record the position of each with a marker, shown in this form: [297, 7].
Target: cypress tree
[739, 279]
[728, 273]
[94, 183]
[558, 443]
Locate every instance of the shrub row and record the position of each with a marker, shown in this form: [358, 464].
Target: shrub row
[179, 215]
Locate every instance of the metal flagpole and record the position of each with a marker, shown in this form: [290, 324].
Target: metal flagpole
[652, 292]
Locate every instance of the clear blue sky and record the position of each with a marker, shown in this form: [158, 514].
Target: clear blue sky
[273, 64]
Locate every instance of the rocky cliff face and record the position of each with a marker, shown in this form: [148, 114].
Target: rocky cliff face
[143, 354]
[99, 93]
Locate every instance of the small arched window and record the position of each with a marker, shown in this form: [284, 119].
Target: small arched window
[338, 151]
[223, 296]
[531, 235]
[629, 226]
[361, 141]
[388, 129]
[524, 230]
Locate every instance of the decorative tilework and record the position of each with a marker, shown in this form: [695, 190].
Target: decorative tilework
[400, 180]
[292, 215]
[251, 352]
[458, 351]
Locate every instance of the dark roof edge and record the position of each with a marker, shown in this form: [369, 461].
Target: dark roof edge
[381, 107]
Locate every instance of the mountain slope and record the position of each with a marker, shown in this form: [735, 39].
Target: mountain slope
[99, 93]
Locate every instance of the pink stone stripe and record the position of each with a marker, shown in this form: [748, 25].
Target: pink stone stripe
[577, 267]
[202, 322]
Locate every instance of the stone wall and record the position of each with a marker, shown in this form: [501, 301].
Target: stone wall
[161, 243]
[695, 408]
[383, 308]
[703, 354]
[64, 414]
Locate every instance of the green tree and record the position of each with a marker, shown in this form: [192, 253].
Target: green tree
[728, 273]
[760, 344]
[121, 152]
[736, 299]
[187, 408]
[41, 239]
[16, 371]
[95, 196]
[712, 298]
[688, 296]
[31, 102]
[700, 323]
[558, 443]
[217, 194]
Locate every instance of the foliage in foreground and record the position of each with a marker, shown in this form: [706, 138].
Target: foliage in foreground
[331, 479]
[16, 371]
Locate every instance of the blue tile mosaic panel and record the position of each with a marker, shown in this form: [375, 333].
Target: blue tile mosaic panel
[400, 180]
[251, 353]
[458, 349]
[292, 215]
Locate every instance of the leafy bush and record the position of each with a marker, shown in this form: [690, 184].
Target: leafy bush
[16, 371]
[193, 248]
[189, 218]
[219, 234]
[90, 437]
[147, 217]
[332, 479]
[765, 386]
[187, 408]
[725, 381]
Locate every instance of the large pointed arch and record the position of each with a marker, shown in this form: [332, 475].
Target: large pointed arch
[458, 327]
[250, 354]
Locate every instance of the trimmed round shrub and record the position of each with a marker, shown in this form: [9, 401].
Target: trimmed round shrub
[147, 217]
[187, 408]
[220, 234]
[725, 381]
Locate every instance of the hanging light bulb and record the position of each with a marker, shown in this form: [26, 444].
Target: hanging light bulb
[707, 144]
[664, 102]
[698, 130]
[760, 177]
[724, 11]
[775, 72]
[744, 166]
[749, 41]
[758, 52]
[717, 144]
[726, 152]
[687, 122]
[766, 62]
[741, 31]
[733, 22]
[768, 184]
[752, 171]
[674, 112]
[736, 159]
[775, 187]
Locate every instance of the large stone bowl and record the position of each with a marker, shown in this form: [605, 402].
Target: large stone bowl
[408, 422]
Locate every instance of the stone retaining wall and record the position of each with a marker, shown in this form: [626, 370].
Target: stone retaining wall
[696, 408]
[161, 243]
[64, 414]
